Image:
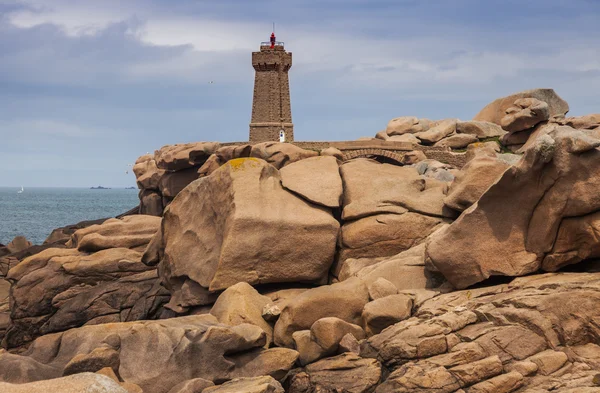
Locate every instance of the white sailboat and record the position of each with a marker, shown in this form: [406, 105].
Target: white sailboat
[21, 190]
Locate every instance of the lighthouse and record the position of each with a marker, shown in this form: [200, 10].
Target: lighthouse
[271, 107]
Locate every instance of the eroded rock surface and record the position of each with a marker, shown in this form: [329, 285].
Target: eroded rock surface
[152, 354]
[518, 217]
[500, 338]
[242, 213]
[59, 289]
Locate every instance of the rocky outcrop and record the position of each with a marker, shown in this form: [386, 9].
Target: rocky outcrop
[285, 270]
[177, 157]
[473, 180]
[132, 232]
[147, 174]
[524, 114]
[17, 244]
[384, 235]
[151, 354]
[518, 218]
[316, 179]
[160, 176]
[4, 307]
[405, 270]
[587, 122]
[275, 153]
[240, 304]
[502, 338]
[451, 134]
[497, 110]
[344, 373]
[480, 129]
[407, 125]
[242, 213]
[322, 302]
[437, 132]
[58, 289]
[372, 188]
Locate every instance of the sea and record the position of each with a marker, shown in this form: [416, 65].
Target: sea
[35, 212]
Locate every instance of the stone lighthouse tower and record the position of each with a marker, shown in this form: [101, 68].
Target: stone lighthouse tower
[271, 108]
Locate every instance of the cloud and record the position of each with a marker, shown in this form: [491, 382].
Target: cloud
[129, 77]
[31, 128]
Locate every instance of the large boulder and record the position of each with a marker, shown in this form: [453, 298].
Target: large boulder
[587, 122]
[240, 304]
[151, 203]
[347, 372]
[384, 235]
[576, 240]
[239, 224]
[316, 179]
[63, 234]
[440, 130]
[200, 152]
[405, 270]
[457, 141]
[386, 311]
[496, 110]
[173, 182]
[524, 114]
[407, 125]
[177, 157]
[59, 289]
[481, 129]
[372, 188]
[19, 243]
[515, 222]
[328, 332]
[473, 180]
[155, 355]
[344, 300]
[147, 174]
[133, 232]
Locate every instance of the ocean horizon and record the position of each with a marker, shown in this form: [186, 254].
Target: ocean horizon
[36, 211]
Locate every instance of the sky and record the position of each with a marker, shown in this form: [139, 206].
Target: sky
[88, 86]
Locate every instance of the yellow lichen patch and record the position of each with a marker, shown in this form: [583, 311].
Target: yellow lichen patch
[238, 164]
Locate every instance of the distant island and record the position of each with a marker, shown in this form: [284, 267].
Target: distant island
[100, 188]
[131, 188]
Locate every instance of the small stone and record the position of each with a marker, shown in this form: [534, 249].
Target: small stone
[328, 332]
[349, 343]
[308, 349]
[412, 157]
[98, 359]
[332, 151]
[385, 312]
[271, 312]
[381, 288]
